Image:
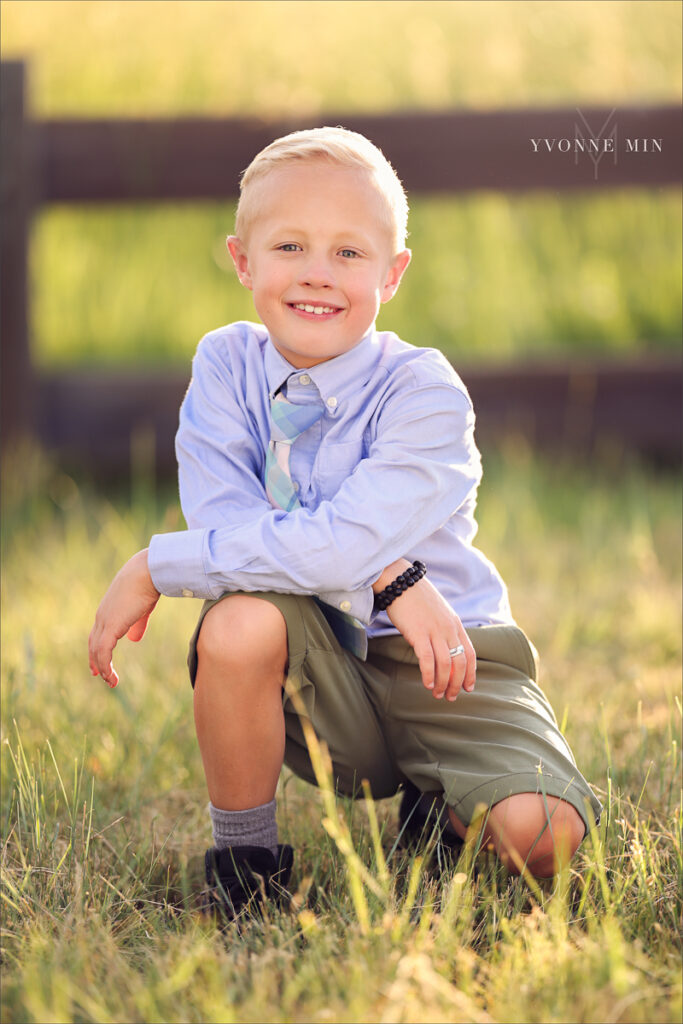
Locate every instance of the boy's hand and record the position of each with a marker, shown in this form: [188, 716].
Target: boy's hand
[124, 610]
[432, 628]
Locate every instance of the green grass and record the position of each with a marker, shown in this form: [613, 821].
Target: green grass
[104, 806]
[94, 57]
[494, 277]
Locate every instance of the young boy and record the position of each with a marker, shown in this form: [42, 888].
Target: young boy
[328, 477]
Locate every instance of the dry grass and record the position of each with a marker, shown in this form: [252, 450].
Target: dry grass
[104, 807]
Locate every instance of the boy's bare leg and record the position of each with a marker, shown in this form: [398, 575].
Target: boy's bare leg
[242, 658]
[517, 827]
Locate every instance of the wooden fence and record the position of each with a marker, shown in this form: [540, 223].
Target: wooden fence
[92, 418]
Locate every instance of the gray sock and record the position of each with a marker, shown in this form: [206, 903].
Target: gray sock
[253, 827]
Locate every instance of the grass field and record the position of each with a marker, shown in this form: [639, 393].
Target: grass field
[104, 807]
[494, 277]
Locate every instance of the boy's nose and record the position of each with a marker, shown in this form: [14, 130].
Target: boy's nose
[317, 274]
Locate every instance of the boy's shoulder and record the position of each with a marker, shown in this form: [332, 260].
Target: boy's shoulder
[410, 365]
[235, 340]
[237, 350]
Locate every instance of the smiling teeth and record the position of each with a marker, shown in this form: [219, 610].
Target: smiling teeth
[314, 309]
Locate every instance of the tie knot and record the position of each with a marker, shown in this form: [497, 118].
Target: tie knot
[289, 420]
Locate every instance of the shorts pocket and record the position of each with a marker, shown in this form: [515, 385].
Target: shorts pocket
[528, 652]
[507, 645]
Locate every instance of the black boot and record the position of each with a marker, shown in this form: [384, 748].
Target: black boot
[419, 823]
[241, 877]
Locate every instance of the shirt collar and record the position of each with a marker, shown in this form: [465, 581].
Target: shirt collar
[335, 378]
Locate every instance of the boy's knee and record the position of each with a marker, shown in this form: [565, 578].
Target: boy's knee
[241, 631]
[540, 832]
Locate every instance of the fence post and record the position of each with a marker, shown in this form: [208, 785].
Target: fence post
[18, 379]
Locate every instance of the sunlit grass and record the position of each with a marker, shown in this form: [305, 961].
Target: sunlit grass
[104, 806]
[492, 279]
[282, 57]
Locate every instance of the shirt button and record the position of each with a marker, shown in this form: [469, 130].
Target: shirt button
[187, 593]
[332, 402]
[296, 485]
[304, 379]
[345, 606]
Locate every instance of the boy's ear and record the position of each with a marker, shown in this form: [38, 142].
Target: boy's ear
[239, 258]
[397, 269]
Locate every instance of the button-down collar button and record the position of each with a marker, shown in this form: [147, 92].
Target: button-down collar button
[345, 606]
[304, 379]
[187, 593]
[331, 402]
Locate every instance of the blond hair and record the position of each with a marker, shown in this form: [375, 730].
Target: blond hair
[339, 146]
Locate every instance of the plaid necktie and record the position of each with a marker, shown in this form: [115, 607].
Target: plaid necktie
[288, 422]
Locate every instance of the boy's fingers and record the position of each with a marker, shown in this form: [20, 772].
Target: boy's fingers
[112, 678]
[110, 675]
[471, 670]
[464, 668]
[445, 669]
[468, 661]
[457, 672]
[101, 657]
[425, 657]
[92, 661]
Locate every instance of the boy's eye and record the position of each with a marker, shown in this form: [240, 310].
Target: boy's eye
[348, 253]
[289, 247]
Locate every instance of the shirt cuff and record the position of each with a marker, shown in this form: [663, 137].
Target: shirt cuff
[357, 603]
[176, 564]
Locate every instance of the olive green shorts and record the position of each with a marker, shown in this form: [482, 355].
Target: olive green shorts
[381, 724]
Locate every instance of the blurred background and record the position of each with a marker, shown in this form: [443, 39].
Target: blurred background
[495, 277]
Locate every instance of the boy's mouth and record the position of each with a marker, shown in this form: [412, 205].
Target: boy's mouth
[314, 309]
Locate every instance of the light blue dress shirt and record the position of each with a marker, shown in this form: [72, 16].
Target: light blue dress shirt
[390, 470]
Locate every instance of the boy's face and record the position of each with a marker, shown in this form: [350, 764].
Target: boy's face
[318, 258]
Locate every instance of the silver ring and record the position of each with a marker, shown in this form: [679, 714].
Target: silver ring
[455, 651]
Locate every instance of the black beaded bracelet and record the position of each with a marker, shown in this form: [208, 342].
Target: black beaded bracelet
[408, 578]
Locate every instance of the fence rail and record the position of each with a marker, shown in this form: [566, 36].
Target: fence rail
[579, 408]
[202, 158]
[113, 161]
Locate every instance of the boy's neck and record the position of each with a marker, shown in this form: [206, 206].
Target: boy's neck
[307, 364]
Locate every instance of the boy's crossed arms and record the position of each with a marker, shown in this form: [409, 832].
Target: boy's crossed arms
[269, 540]
[427, 622]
